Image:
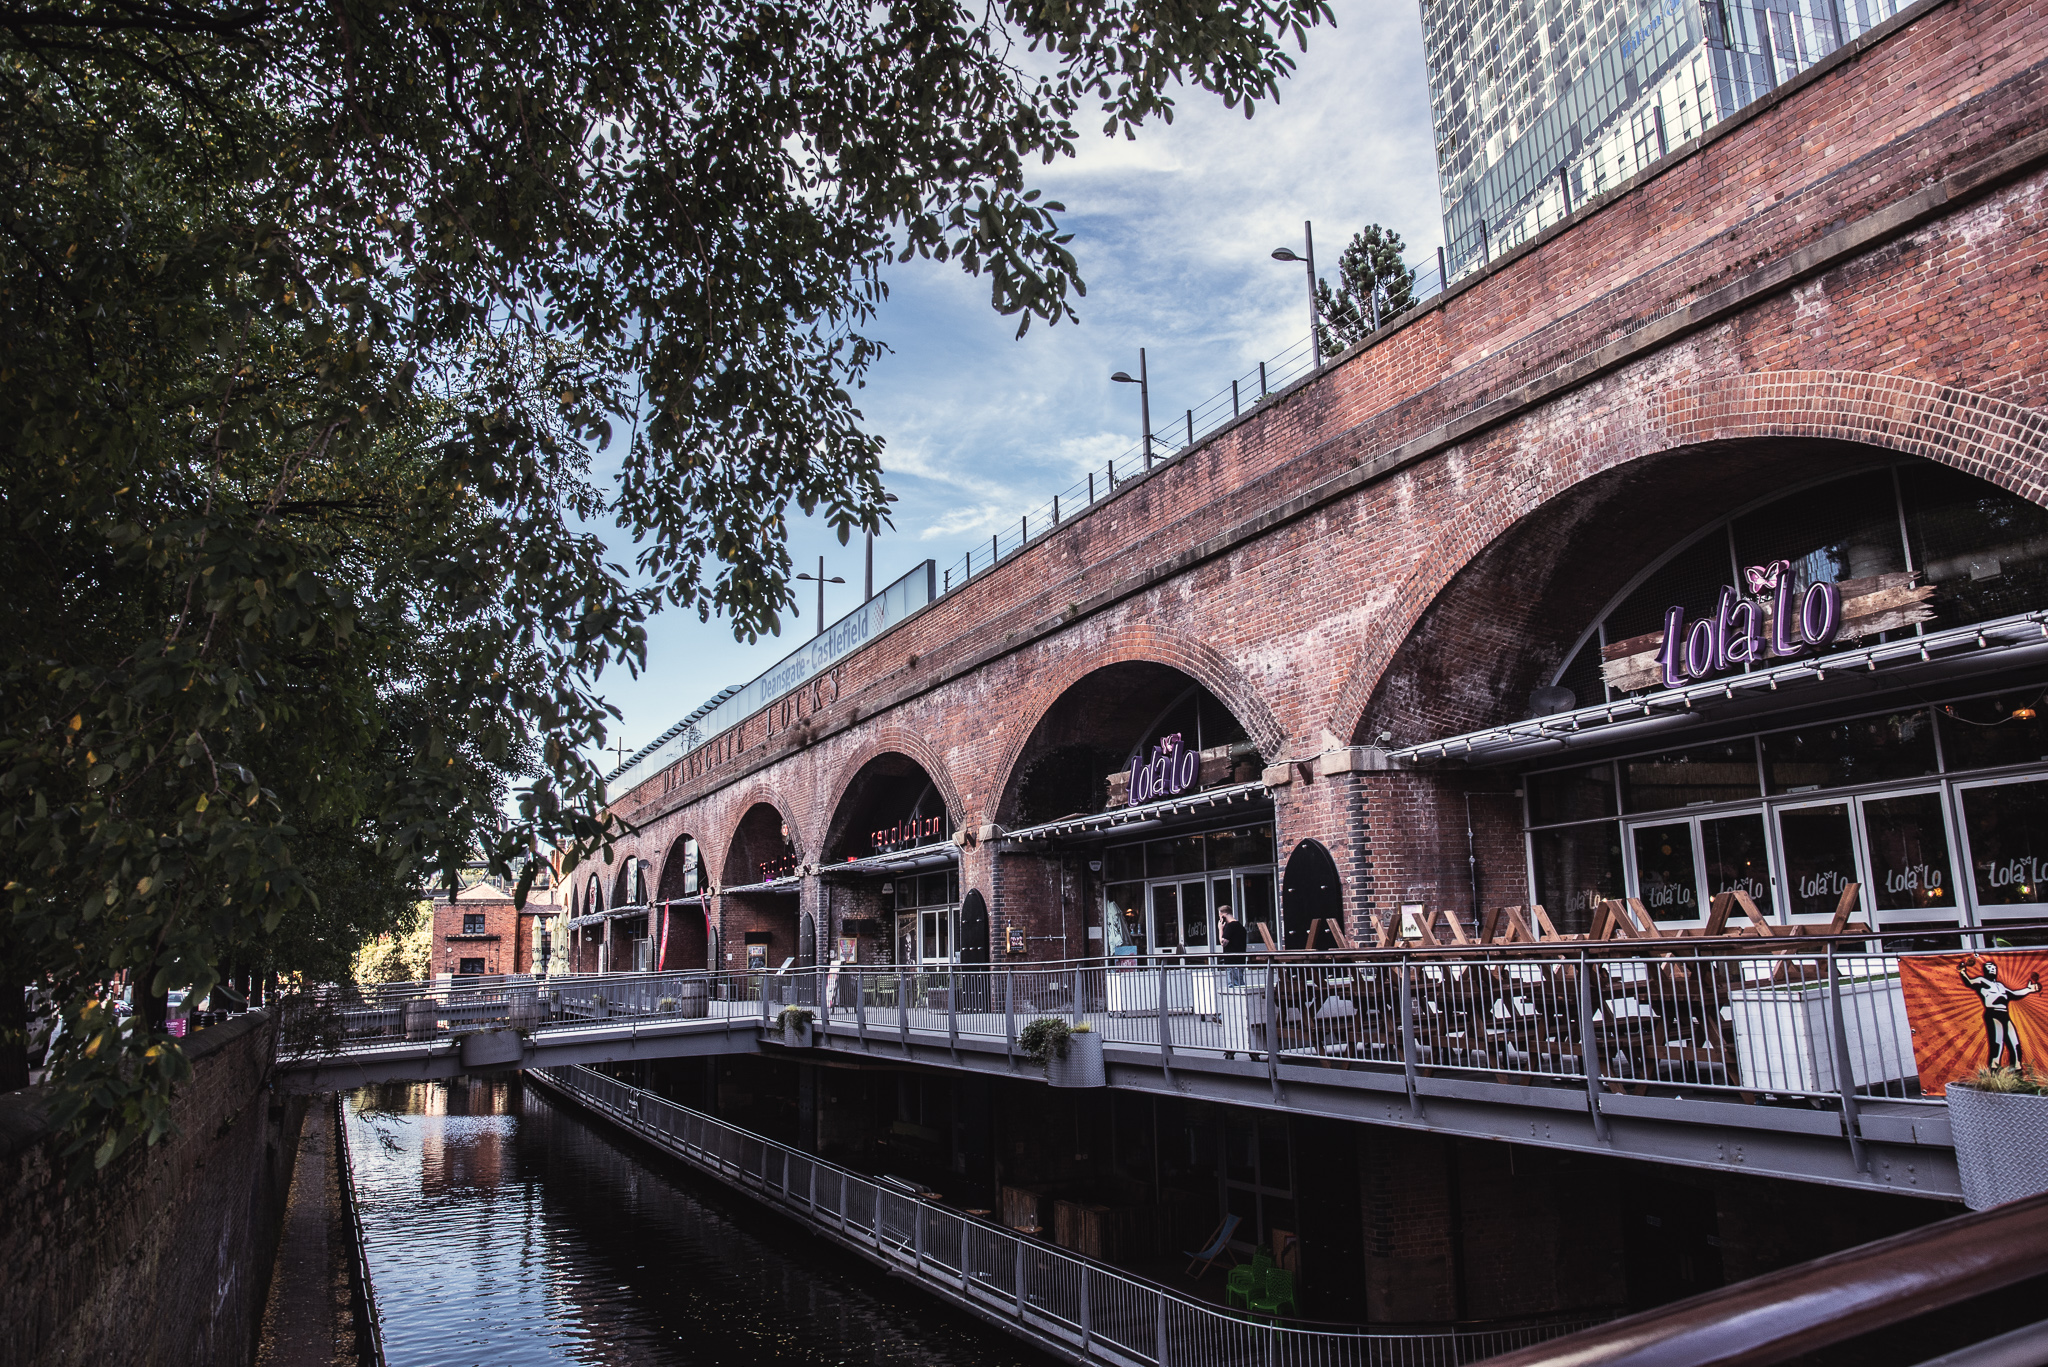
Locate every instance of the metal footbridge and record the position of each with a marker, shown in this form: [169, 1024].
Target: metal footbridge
[1779, 1058]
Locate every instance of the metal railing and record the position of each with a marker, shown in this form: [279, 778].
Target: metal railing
[1098, 1311]
[369, 1328]
[1819, 1022]
[1172, 435]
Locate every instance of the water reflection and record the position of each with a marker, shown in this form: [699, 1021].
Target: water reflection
[506, 1230]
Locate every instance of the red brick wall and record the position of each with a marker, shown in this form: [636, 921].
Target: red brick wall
[1409, 542]
[499, 946]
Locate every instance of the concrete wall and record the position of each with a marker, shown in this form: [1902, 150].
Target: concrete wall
[165, 1256]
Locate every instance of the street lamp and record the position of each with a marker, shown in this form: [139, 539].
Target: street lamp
[1308, 236]
[1144, 384]
[821, 581]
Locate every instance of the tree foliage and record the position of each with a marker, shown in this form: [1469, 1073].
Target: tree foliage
[314, 318]
[1373, 285]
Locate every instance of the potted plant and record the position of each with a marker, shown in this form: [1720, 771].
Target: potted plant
[1072, 1055]
[2000, 1122]
[796, 1026]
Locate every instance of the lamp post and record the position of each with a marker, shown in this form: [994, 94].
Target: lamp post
[1144, 384]
[1308, 237]
[821, 581]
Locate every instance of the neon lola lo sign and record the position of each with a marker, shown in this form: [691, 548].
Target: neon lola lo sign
[1742, 632]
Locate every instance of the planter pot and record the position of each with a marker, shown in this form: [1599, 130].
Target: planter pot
[695, 998]
[798, 1036]
[421, 1019]
[1783, 1042]
[2001, 1144]
[1082, 1067]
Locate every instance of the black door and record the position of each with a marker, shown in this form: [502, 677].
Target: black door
[1309, 893]
[974, 951]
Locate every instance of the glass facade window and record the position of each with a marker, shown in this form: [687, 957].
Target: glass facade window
[1666, 878]
[472, 923]
[1724, 772]
[1177, 854]
[1538, 105]
[1990, 733]
[925, 905]
[1984, 550]
[1577, 867]
[1847, 529]
[1820, 857]
[1164, 896]
[1881, 749]
[1735, 857]
[1910, 868]
[1571, 795]
[2007, 827]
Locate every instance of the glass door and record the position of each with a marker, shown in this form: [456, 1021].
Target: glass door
[2005, 831]
[1667, 873]
[1818, 844]
[1181, 923]
[1911, 865]
[1735, 858]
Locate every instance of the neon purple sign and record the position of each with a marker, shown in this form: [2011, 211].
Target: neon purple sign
[1766, 625]
[1170, 770]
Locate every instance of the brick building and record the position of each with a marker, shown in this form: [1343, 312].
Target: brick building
[1393, 639]
[479, 931]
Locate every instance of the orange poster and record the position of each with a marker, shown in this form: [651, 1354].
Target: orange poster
[1970, 1011]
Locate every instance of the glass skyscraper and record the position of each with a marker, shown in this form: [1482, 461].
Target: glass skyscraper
[1539, 105]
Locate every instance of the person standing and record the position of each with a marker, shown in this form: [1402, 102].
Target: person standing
[1233, 947]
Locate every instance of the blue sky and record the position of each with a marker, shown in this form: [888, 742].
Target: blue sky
[1173, 233]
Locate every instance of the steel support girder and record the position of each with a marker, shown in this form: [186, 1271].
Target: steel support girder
[1767, 1141]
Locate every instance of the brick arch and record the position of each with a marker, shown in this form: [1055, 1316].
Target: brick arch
[671, 848]
[757, 795]
[891, 739]
[1153, 645]
[2000, 442]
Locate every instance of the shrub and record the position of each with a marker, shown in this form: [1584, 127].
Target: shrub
[796, 1017]
[1046, 1038]
[2028, 1083]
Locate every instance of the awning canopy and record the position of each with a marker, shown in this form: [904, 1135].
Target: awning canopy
[1935, 657]
[1149, 814]
[609, 914]
[932, 856]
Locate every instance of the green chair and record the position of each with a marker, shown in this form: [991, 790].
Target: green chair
[1246, 1279]
[1278, 1291]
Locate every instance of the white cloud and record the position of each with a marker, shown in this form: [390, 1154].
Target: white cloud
[1172, 233]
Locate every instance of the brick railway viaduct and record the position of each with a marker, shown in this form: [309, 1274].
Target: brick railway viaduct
[1405, 544]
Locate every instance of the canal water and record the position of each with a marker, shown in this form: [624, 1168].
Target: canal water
[507, 1229]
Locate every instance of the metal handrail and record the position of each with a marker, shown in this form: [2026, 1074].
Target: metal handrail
[1094, 1309]
[369, 1327]
[1795, 1311]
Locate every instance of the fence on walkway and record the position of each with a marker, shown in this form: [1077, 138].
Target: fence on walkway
[1803, 1020]
[1096, 1311]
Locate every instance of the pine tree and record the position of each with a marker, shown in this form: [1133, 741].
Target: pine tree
[1373, 286]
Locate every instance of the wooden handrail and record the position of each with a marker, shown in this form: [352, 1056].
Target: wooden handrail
[1784, 1314]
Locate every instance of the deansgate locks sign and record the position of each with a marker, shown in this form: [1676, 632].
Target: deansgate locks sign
[1170, 770]
[1770, 622]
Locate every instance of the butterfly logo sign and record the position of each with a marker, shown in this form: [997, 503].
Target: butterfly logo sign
[1764, 578]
